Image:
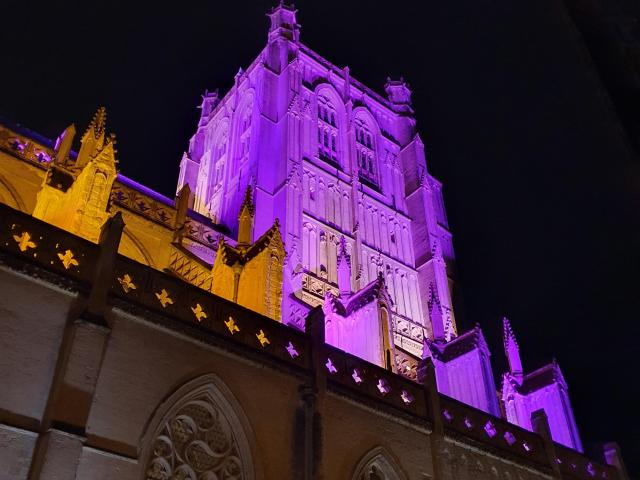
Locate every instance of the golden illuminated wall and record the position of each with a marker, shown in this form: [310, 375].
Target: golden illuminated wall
[252, 276]
[80, 192]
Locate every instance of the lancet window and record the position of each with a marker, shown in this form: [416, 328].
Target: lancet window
[327, 130]
[245, 133]
[219, 159]
[365, 153]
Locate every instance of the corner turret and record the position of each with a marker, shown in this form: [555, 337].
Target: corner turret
[399, 94]
[283, 23]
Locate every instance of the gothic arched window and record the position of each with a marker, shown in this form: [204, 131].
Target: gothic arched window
[245, 132]
[219, 156]
[327, 130]
[378, 465]
[366, 152]
[197, 434]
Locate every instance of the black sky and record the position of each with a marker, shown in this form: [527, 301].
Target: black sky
[542, 197]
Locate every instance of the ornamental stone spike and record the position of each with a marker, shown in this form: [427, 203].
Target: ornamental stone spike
[343, 265]
[435, 314]
[512, 350]
[246, 218]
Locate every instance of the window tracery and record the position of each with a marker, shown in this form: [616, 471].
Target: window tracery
[365, 153]
[198, 438]
[327, 130]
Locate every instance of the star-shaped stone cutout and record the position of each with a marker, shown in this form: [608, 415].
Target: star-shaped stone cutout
[293, 353]
[127, 283]
[382, 386]
[407, 398]
[199, 312]
[67, 259]
[24, 241]
[330, 366]
[262, 338]
[164, 298]
[231, 325]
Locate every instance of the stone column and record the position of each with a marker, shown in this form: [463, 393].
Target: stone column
[540, 425]
[62, 431]
[427, 376]
[312, 395]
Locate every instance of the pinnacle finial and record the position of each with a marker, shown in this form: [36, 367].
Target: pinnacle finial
[435, 314]
[342, 251]
[248, 201]
[245, 219]
[98, 122]
[507, 333]
[512, 350]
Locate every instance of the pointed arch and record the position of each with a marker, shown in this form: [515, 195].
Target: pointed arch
[9, 195]
[199, 431]
[242, 121]
[378, 464]
[367, 132]
[330, 120]
[132, 247]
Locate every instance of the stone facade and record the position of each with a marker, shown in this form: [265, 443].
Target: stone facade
[124, 384]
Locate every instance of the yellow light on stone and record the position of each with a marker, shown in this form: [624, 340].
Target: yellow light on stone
[231, 325]
[67, 259]
[24, 241]
[164, 299]
[199, 312]
[262, 338]
[127, 283]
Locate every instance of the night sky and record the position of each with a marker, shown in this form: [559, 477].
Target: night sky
[542, 196]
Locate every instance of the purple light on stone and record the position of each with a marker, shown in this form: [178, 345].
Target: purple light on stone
[18, 145]
[510, 439]
[383, 387]
[356, 376]
[331, 367]
[590, 469]
[526, 446]
[490, 429]
[43, 157]
[447, 415]
[468, 423]
[293, 353]
[407, 398]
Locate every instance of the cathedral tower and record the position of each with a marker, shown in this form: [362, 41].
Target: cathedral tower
[344, 170]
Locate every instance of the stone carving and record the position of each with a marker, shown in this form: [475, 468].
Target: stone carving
[195, 442]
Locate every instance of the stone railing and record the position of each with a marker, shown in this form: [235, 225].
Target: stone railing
[42, 250]
[129, 195]
[470, 422]
[363, 378]
[25, 147]
[575, 465]
[192, 306]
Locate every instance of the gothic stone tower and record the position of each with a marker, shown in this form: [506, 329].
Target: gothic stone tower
[330, 159]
